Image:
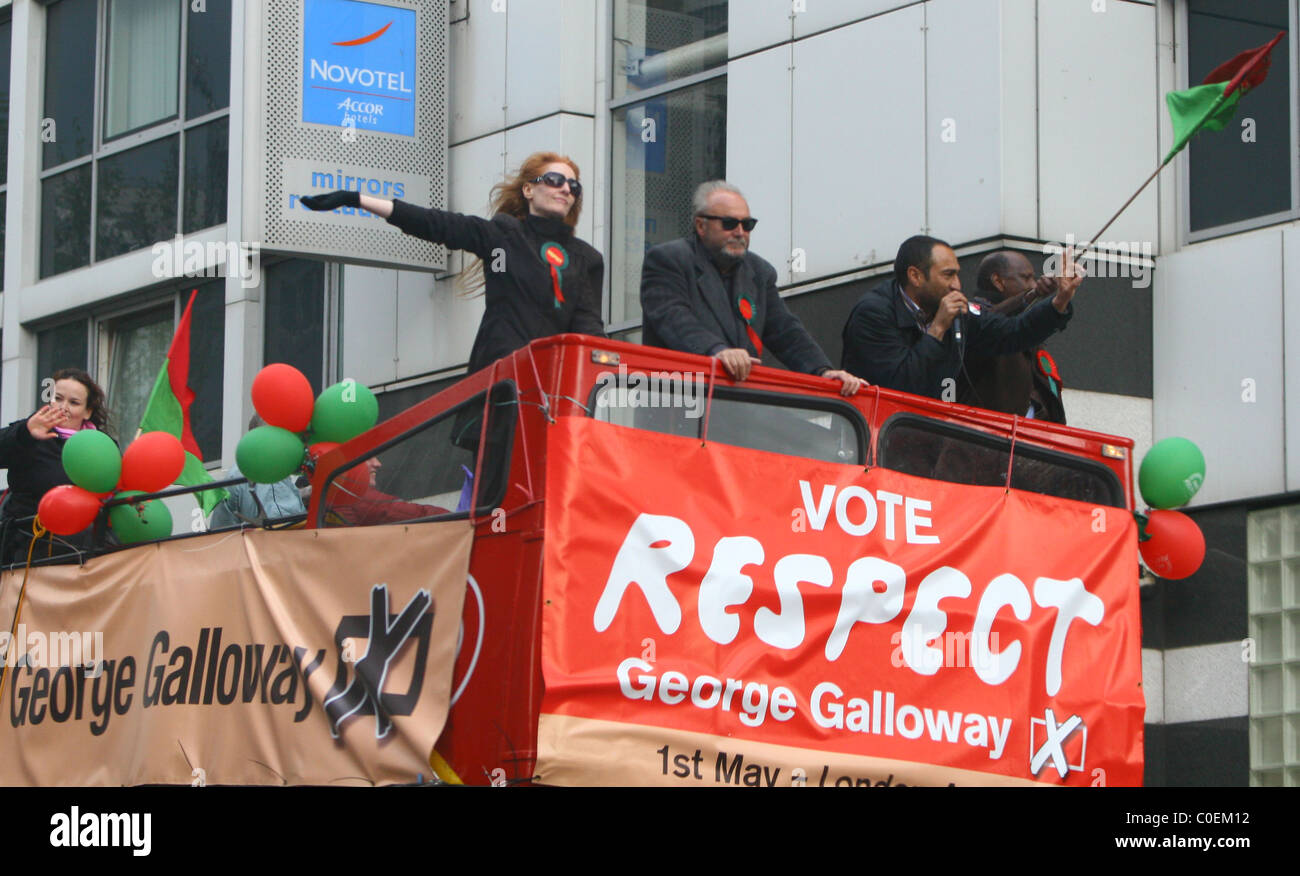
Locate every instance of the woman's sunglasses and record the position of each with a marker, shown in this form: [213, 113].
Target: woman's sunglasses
[729, 223]
[555, 180]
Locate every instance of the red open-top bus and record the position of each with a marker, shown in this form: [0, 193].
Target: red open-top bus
[593, 457]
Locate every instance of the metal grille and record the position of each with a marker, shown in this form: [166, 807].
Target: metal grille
[288, 139]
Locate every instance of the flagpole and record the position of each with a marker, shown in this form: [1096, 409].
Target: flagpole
[1233, 85]
[1111, 221]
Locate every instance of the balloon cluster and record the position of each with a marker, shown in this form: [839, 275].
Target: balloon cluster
[1171, 543]
[98, 472]
[282, 397]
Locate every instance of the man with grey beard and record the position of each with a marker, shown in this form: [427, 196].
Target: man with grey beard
[708, 294]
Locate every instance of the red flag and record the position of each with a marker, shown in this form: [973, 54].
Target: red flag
[171, 392]
[1246, 70]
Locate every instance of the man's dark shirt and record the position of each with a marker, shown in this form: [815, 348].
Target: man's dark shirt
[886, 344]
[1010, 383]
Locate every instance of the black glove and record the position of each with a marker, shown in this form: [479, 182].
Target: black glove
[331, 200]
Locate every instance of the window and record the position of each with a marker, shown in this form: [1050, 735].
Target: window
[1240, 177]
[6, 38]
[668, 130]
[64, 346]
[295, 319]
[156, 162]
[428, 472]
[128, 348]
[793, 425]
[934, 449]
[132, 349]
[1273, 563]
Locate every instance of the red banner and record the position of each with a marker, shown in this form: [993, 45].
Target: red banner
[721, 615]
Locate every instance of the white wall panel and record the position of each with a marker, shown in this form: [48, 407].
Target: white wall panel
[569, 135]
[369, 324]
[1153, 685]
[758, 149]
[1124, 415]
[1205, 682]
[1019, 118]
[477, 67]
[1217, 317]
[1098, 116]
[757, 24]
[438, 324]
[818, 15]
[1291, 351]
[858, 121]
[551, 58]
[962, 156]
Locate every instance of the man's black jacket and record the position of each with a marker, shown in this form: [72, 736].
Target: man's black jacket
[886, 345]
[685, 306]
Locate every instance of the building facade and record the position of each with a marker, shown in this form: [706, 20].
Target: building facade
[849, 124]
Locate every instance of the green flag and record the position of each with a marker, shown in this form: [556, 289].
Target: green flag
[1211, 105]
[168, 410]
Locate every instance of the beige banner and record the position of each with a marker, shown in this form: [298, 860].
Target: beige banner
[589, 751]
[266, 658]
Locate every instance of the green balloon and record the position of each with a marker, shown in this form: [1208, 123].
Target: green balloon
[144, 522]
[92, 461]
[1171, 473]
[343, 411]
[268, 454]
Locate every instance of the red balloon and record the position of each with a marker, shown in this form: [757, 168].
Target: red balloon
[67, 509]
[282, 396]
[153, 462]
[1176, 548]
[319, 449]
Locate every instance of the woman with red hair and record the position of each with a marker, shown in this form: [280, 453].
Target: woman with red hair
[539, 279]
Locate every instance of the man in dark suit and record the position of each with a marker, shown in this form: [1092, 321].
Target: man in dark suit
[902, 334]
[708, 294]
[1025, 383]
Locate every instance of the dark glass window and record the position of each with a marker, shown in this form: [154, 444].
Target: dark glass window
[428, 472]
[660, 40]
[6, 36]
[147, 66]
[141, 71]
[935, 449]
[207, 362]
[207, 65]
[69, 81]
[794, 425]
[64, 346]
[206, 162]
[65, 221]
[654, 179]
[137, 198]
[294, 324]
[1239, 173]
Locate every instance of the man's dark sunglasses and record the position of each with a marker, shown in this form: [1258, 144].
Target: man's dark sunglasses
[729, 223]
[555, 180]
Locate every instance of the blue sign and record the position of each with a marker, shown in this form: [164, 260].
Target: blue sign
[359, 66]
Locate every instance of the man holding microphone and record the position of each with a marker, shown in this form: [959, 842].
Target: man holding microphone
[913, 333]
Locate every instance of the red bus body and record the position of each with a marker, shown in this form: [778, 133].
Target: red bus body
[492, 727]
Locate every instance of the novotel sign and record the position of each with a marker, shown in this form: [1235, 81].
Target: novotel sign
[358, 66]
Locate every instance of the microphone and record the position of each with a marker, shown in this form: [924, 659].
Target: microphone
[956, 328]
